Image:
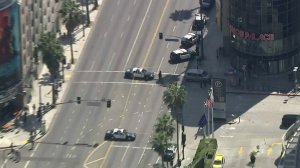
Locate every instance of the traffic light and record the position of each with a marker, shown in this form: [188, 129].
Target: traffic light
[160, 35]
[78, 100]
[183, 139]
[108, 103]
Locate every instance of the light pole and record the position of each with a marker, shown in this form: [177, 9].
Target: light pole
[82, 20]
[211, 106]
[296, 80]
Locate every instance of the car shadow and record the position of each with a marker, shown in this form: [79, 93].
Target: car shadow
[168, 79]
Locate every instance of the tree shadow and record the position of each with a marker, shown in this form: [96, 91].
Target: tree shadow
[168, 79]
[180, 15]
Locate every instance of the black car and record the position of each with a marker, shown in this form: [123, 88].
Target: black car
[139, 73]
[169, 153]
[119, 134]
[288, 120]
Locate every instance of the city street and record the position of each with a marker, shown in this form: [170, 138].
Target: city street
[125, 35]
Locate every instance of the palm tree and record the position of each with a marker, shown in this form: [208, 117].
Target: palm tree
[174, 98]
[158, 144]
[52, 51]
[165, 124]
[71, 18]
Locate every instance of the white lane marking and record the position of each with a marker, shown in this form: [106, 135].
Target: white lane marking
[99, 71]
[160, 64]
[121, 35]
[142, 155]
[137, 35]
[125, 152]
[34, 150]
[128, 18]
[167, 45]
[175, 69]
[226, 136]
[105, 34]
[133, 147]
[92, 67]
[128, 83]
[157, 160]
[111, 60]
[174, 28]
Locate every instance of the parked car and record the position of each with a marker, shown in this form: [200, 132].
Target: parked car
[139, 73]
[169, 153]
[288, 120]
[119, 134]
[199, 22]
[197, 75]
[181, 55]
[189, 39]
[219, 161]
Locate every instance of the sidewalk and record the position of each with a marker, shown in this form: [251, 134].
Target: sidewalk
[279, 85]
[19, 134]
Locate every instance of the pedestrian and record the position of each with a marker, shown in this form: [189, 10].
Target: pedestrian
[159, 76]
[201, 83]
[25, 117]
[33, 107]
[240, 81]
[11, 147]
[204, 83]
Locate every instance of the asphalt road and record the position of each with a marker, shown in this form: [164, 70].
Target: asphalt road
[125, 35]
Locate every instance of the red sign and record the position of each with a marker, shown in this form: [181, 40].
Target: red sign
[251, 35]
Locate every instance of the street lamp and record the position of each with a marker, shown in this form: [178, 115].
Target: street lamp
[296, 80]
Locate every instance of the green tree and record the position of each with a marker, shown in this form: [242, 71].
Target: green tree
[158, 144]
[71, 18]
[174, 97]
[165, 124]
[52, 51]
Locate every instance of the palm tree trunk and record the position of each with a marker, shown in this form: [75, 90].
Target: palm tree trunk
[177, 135]
[71, 47]
[88, 21]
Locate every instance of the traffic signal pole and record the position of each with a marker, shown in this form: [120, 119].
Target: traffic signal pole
[201, 35]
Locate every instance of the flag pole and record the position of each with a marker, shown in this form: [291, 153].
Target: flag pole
[208, 122]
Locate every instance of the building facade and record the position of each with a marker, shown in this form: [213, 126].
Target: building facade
[262, 36]
[22, 23]
[37, 17]
[10, 56]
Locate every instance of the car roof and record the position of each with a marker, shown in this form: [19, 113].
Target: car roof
[189, 35]
[118, 129]
[136, 68]
[180, 50]
[219, 157]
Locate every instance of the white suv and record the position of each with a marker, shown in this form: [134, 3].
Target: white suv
[181, 54]
[189, 39]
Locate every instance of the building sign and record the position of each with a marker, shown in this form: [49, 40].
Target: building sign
[219, 90]
[10, 49]
[251, 35]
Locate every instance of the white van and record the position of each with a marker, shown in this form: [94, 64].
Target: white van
[197, 75]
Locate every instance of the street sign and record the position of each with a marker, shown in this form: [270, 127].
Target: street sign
[219, 90]
[203, 121]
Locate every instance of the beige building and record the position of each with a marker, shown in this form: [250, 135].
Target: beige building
[36, 17]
